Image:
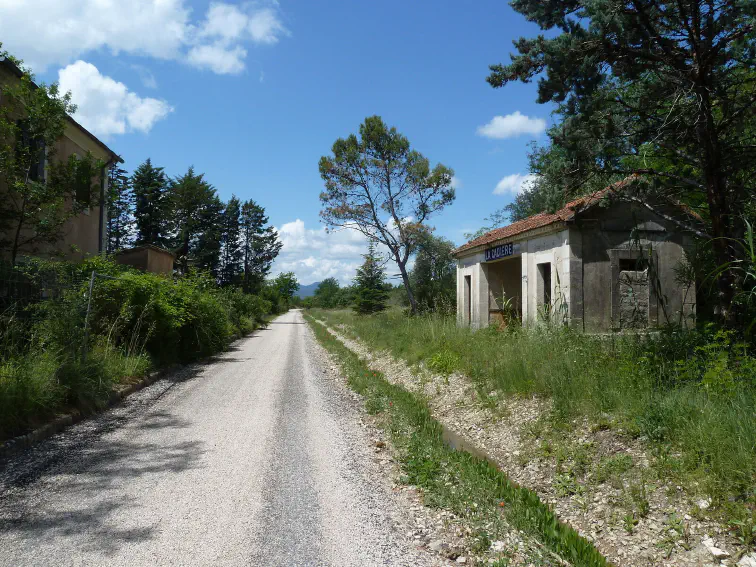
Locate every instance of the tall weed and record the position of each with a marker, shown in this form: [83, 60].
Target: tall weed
[691, 390]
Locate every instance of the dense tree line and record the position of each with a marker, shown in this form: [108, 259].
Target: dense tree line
[233, 240]
[664, 91]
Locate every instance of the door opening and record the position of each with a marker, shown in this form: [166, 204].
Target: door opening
[468, 300]
[544, 289]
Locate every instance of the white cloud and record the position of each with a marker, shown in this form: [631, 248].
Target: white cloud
[513, 184]
[61, 31]
[265, 27]
[314, 254]
[511, 126]
[146, 76]
[225, 28]
[219, 58]
[456, 182]
[107, 107]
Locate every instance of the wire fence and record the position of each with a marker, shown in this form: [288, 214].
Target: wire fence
[24, 286]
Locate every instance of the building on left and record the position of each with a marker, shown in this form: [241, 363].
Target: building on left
[86, 233]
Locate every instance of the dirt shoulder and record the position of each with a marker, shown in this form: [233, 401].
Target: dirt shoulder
[598, 480]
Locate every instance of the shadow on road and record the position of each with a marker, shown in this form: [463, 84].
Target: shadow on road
[71, 484]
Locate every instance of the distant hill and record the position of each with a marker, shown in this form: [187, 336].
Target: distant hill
[307, 290]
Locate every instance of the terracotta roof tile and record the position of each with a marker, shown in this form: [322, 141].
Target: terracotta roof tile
[542, 219]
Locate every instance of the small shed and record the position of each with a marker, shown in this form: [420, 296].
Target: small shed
[602, 263]
[148, 258]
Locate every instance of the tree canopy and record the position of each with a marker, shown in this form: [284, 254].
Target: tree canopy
[434, 275]
[377, 184]
[150, 186]
[665, 89]
[260, 245]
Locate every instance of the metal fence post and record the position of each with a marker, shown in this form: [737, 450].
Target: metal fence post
[86, 317]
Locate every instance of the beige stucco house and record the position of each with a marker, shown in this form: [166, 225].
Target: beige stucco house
[85, 234]
[601, 263]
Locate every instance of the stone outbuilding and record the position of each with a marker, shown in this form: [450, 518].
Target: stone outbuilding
[147, 258]
[602, 263]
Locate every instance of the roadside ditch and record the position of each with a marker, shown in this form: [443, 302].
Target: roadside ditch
[506, 524]
[596, 480]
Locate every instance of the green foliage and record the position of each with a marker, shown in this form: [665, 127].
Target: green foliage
[381, 187]
[286, 284]
[231, 247]
[444, 362]
[137, 320]
[232, 241]
[468, 486]
[434, 275]
[327, 293]
[120, 205]
[370, 294]
[152, 208]
[195, 222]
[645, 384]
[37, 201]
[260, 246]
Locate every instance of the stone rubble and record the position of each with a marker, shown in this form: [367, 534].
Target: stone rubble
[439, 531]
[660, 539]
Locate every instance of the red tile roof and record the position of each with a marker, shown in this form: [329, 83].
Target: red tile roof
[542, 219]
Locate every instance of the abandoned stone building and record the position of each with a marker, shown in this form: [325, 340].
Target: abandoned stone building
[602, 263]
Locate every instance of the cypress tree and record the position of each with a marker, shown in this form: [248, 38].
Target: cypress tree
[150, 186]
[120, 209]
[231, 248]
[370, 285]
[260, 246]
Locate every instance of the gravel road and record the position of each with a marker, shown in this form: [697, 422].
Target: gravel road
[256, 458]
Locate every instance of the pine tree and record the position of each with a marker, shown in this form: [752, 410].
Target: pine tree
[120, 209]
[659, 89]
[231, 246]
[150, 186]
[370, 285]
[206, 255]
[194, 209]
[260, 246]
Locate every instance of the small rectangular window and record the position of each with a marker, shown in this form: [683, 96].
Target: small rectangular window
[31, 150]
[84, 182]
[631, 265]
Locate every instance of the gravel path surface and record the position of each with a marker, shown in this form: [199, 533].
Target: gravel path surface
[257, 458]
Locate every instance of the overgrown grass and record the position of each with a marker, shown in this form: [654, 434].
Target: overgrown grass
[49, 363]
[456, 480]
[691, 395]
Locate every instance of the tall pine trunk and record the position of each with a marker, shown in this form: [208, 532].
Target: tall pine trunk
[407, 286]
[720, 210]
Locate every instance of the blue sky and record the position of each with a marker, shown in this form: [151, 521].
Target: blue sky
[252, 94]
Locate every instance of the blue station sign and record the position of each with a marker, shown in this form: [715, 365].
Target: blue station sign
[502, 251]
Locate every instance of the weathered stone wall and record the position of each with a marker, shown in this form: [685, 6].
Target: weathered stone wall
[627, 230]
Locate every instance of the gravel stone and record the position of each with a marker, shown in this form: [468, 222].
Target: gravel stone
[261, 457]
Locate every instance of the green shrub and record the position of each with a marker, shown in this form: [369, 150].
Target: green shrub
[48, 360]
[694, 391]
[444, 362]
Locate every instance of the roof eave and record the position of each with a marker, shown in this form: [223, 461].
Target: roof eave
[555, 226]
[114, 157]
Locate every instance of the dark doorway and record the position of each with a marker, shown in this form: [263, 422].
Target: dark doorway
[468, 298]
[544, 287]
